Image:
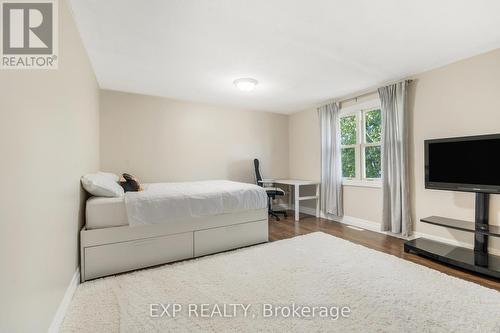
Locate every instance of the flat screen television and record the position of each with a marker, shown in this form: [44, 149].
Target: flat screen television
[470, 164]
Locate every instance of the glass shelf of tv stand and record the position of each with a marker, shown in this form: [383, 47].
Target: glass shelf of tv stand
[489, 230]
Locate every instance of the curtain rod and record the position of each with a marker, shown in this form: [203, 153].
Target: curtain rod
[363, 93]
[358, 95]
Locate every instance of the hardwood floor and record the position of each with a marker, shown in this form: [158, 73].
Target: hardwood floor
[287, 228]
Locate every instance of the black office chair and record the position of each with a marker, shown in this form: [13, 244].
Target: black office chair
[272, 193]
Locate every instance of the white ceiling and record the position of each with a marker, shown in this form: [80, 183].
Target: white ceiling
[301, 52]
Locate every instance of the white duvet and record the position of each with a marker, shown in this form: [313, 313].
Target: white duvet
[165, 202]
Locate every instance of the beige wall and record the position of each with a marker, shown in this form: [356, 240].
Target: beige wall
[159, 139]
[48, 139]
[363, 203]
[455, 100]
[305, 149]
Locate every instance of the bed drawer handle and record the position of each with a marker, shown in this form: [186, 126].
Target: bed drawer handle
[144, 241]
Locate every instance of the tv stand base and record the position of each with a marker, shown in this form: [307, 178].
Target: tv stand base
[468, 259]
[477, 260]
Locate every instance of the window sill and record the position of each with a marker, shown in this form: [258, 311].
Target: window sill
[362, 183]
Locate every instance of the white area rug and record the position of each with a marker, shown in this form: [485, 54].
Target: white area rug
[383, 292]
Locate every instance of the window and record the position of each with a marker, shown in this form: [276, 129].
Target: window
[361, 135]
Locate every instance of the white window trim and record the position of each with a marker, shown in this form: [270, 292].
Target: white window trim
[376, 183]
[360, 110]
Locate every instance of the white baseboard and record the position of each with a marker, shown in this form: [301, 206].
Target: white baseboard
[375, 226]
[305, 210]
[359, 223]
[57, 321]
[369, 225]
[349, 220]
[453, 242]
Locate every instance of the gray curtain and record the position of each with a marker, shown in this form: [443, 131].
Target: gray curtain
[396, 214]
[331, 169]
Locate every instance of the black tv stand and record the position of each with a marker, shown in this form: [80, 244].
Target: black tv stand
[477, 260]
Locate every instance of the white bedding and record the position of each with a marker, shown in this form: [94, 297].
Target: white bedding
[164, 202]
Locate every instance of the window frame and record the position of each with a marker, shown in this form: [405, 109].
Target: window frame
[360, 110]
[356, 146]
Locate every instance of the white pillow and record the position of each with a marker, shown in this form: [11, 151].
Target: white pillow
[102, 184]
[109, 175]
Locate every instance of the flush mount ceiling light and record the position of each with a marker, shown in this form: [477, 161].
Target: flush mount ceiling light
[245, 84]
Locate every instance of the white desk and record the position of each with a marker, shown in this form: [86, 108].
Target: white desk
[295, 183]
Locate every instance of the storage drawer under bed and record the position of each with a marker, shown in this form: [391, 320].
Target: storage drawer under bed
[229, 237]
[120, 249]
[120, 257]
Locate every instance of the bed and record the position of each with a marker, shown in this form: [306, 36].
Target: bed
[169, 222]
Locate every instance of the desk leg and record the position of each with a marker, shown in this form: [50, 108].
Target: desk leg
[297, 208]
[317, 200]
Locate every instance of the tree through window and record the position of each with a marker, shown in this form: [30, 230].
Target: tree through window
[361, 136]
